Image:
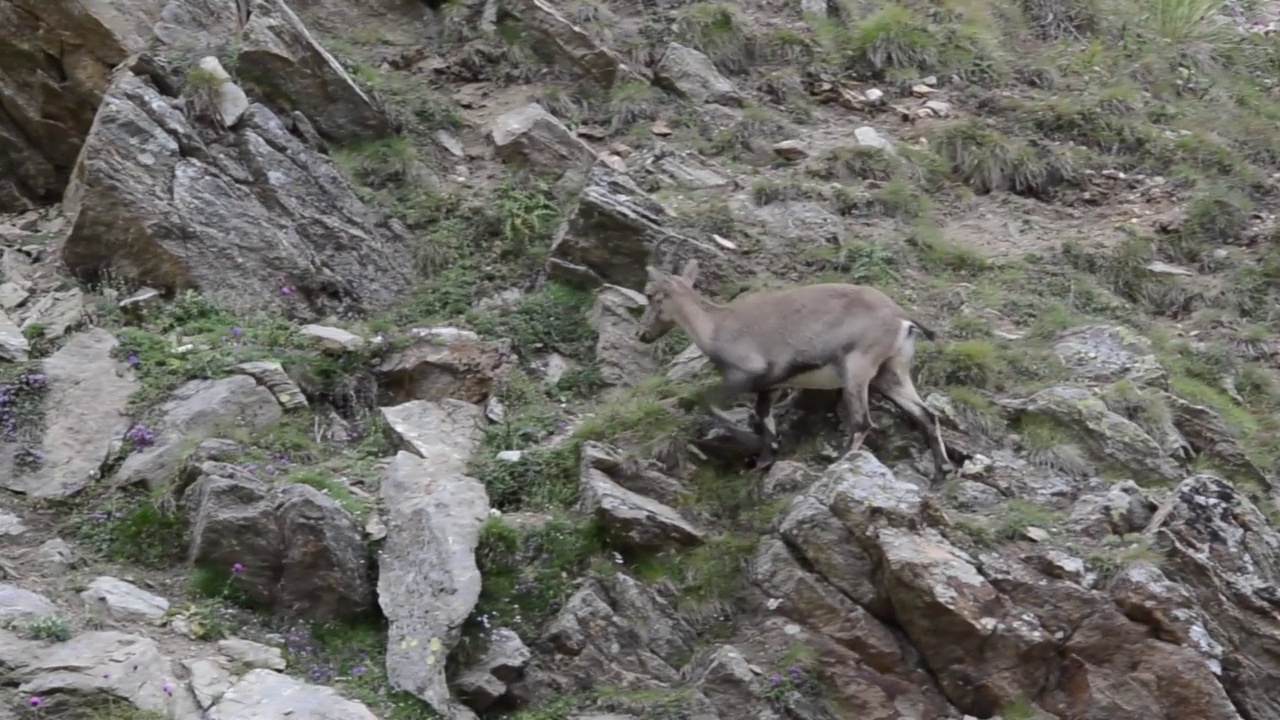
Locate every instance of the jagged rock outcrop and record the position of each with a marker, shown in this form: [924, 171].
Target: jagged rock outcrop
[253, 220]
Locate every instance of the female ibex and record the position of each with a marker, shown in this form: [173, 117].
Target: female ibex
[821, 337]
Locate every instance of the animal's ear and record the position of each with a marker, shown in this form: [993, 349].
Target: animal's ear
[690, 271]
[655, 275]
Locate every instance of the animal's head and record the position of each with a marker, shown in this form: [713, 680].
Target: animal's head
[664, 290]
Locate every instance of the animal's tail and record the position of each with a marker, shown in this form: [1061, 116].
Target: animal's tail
[929, 335]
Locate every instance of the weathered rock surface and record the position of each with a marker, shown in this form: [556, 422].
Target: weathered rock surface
[96, 666]
[120, 600]
[254, 219]
[615, 316]
[1105, 353]
[502, 665]
[444, 365]
[87, 398]
[58, 57]
[296, 548]
[428, 582]
[14, 346]
[252, 654]
[634, 521]
[197, 410]
[533, 136]
[1082, 647]
[608, 236]
[572, 43]
[268, 695]
[22, 607]
[626, 638]
[283, 63]
[691, 74]
[1110, 438]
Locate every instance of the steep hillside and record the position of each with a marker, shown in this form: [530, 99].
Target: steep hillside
[321, 394]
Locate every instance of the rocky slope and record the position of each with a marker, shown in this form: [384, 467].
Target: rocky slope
[320, 395]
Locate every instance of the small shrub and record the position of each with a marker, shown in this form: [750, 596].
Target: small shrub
[971, 363]
[756, 124]
[1216, 217]
[709, 580]
[858, 162]
[552, 319]
[1117, 553]
[894, 40]
[897, 199]
[1050, 446]
[134, 528]
[862, 263]
[1019, 515]
[1057, 19]
[976, 411]
[719, 30]
[377, 164]
[49, 627]
[767, 192]
[986, 161]
[632, 103]
[22, 419]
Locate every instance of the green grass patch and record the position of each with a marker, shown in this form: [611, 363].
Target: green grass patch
[709, 580]
[1019, 515]
[552, 319]
[133, 527]
[529, 572]
[352, 658]
[1052, 446]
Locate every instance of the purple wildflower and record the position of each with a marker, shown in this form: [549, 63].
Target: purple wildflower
[132, 359]
[35, 702]
[34, 381]
[237, 568]
[357, 670]
[167, 687]
[775, 680]
[235, 331]
[140, 436]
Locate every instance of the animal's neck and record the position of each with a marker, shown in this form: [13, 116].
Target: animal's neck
[697, 316]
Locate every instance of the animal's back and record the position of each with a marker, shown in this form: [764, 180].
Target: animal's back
[794, 316]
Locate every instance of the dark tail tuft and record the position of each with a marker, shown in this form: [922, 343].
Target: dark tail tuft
[929, 335]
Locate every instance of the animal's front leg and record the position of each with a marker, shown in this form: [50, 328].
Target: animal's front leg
[730, 387]
[766, 428]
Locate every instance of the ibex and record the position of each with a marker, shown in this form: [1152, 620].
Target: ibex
[822, 337]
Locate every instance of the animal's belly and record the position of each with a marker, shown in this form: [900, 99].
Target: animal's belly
[824, 378]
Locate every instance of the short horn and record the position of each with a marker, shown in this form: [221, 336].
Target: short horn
[655, 252]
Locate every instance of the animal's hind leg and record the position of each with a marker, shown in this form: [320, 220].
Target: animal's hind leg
[858, 371]
[765, 427]
[894, 382]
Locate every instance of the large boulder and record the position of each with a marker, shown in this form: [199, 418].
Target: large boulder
[253, 218]
[197, 410]
[295, 547]
[609, 235]
[58, 56]
[428, 581]
[281, 61]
